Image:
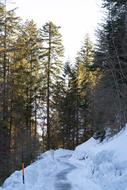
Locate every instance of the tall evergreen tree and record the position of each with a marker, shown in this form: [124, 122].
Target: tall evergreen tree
[66, 108]
[86, 81]
[110, 57]
[27, 84]
[8, 32]
[52, 52]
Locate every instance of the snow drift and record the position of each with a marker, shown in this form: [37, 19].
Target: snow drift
[104, 164]
[92, 166]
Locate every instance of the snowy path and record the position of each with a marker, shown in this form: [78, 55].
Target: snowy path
[62, 182]
[92, 166]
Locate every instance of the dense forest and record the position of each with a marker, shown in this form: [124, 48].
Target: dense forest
[46, 103]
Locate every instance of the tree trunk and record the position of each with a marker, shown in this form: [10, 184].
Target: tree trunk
[48, 92]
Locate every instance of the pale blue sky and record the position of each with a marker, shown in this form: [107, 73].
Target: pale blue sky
[76, 18]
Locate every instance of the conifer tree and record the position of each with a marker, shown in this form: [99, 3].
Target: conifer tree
[110, 58]
[86, 81]
[52, 51]
[27, 84]
[8, 32]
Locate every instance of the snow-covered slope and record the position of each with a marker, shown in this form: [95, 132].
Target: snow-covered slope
[92, 166]
[103, 164]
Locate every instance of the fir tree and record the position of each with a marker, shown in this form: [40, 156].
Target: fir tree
[52, 52]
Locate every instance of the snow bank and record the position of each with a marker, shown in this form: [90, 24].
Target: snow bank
[92, 166]
[32, 174]
[84, 150]
[103, 164]
[40, 175]
[116, 145]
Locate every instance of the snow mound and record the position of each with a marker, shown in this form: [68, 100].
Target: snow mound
[104, 163]
[41, 174]
[84, 150]
[92, 166]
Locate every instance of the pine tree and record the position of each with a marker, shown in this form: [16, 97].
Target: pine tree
[52, 51]
[67, 108]
[110, 58]
[26, 84]
[8, 33]
[86, 82]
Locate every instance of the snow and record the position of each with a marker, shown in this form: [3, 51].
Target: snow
[91, 166]
[102, 164]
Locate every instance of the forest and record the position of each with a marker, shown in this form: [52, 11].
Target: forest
[47, 102]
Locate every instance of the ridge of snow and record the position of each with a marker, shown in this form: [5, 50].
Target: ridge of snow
[92, 165]
[104, 164]
[117, 144]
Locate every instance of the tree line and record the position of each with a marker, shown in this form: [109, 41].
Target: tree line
[46, 103]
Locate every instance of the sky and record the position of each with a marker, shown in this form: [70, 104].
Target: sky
[76, 18]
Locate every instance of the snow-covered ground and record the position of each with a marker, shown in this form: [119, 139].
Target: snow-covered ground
[92, 166]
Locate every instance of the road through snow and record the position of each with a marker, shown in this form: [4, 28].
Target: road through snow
[92, 166]
[62, 182]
